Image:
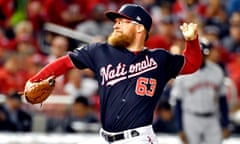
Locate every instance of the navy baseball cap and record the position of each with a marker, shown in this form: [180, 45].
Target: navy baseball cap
[205, 46]
[132, 12]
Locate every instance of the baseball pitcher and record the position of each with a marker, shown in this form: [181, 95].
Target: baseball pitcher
[131, 77]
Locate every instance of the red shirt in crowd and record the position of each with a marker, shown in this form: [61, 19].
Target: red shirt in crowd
[233, 69]
[10, 82]
[158, 41]
[59, 11]
[6, 11]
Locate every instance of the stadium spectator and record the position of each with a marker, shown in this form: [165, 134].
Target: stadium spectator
[160, 10]
[11, 78]
[164, 121]
[79, 84]
[232, 6]
[216, 11]
[219, 54]
[56, 116]
[97, 26]
[182, 8]
[34, 63]
[19, 13]
[12, 117]
[24, 35]
[58, 48]
[65, 13]
[147, 4]
[165, 34]
[82, 118]
[232, 42]
[7, 10]
[35, 14]
[234, 72]
[163, 2]
[115, 4]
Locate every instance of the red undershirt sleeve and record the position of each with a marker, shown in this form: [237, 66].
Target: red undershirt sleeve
[56, 68]
[193, 57]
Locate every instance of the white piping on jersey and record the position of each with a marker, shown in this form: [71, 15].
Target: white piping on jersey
[141, 72]
[112, 82]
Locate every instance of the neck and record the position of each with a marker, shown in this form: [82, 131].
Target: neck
[136, 46]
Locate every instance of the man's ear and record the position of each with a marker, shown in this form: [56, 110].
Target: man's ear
[140, 28]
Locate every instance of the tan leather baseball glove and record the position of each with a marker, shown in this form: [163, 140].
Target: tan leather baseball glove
[37, 92]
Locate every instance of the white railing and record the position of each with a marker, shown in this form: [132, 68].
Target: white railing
[56, 99]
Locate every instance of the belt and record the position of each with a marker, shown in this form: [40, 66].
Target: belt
[119, 136]
[204, 114]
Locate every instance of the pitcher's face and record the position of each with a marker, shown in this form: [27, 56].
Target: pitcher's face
[123, 34]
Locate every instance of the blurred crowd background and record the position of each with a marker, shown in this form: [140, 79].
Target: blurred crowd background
[25, 47]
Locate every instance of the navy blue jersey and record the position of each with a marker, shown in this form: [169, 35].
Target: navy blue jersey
[129, 84]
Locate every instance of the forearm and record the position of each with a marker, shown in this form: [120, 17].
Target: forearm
[193, 57]
[56, 68]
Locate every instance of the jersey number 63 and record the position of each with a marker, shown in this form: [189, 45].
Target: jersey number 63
[145, 86]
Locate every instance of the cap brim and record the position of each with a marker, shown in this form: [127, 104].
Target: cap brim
[112, 15]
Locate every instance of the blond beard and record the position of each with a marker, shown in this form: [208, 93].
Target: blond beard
[120, 40]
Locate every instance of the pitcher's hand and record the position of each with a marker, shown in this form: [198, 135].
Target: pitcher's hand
[189, 31]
